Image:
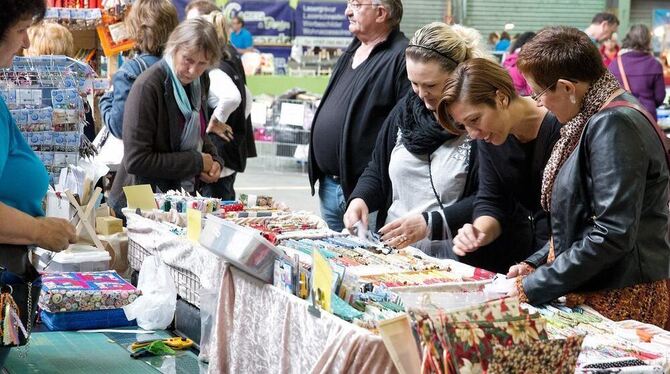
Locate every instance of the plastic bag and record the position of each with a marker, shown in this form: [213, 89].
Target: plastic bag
[154, 310]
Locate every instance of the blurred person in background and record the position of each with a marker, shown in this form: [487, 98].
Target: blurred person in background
[503, 44]
[229, 128]
[149, 23]
[367, 82]
[240, 37]
[520, 84]
[602, 26]
[638, 71]
[609, 49]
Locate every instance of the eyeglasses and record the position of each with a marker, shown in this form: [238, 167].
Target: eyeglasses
[357, 6]
[537, 96]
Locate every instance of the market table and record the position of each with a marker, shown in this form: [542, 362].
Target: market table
[261, 329]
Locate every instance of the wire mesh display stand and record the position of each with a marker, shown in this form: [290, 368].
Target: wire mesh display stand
[285, 144]
[44, 96]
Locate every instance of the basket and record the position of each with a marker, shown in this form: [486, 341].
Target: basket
[187, 283]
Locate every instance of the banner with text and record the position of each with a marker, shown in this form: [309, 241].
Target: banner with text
[322, 24]
[270, 22]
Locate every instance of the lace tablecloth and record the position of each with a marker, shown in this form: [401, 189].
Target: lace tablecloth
[261, 329]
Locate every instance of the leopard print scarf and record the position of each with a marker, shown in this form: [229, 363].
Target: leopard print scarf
[594, 99]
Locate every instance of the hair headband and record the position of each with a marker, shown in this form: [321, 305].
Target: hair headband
[436, 51]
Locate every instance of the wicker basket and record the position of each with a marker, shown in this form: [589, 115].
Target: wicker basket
[187, 283]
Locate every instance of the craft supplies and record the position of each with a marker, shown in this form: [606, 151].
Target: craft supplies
[70, 292]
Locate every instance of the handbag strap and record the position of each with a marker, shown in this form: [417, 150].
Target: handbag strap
[624, 77]
[661, 136]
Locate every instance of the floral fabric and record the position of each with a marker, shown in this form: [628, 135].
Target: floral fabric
[71, 292]
[540, 357]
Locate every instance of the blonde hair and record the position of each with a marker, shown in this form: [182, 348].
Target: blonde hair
[150, 23]
[448, 45]
[48, 38]
[218, 20]
[193, 35]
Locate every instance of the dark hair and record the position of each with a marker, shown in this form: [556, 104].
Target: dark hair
[150, 23]
[504, 35]
[604, 16]
[475, 81]
[560, 52]
[203, 6]
[638, 38]
[521, 40]
[14, 11]
[239, 19]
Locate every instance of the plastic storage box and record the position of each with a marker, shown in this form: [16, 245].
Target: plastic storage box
[243, 247]
[96, 319]
[78, 258]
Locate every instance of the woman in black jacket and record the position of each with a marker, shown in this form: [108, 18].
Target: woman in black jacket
[417, 166]
[605, 186]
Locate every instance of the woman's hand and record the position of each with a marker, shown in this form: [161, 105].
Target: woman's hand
[357, 211]
[213, 174]
[519, 270]
[469, 239]
[404, 231]
[54, 234]
[207, 162]
[223, 130]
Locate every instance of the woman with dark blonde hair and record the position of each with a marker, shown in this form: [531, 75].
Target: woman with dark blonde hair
[515, 138]
[166, 116]
[605, 186]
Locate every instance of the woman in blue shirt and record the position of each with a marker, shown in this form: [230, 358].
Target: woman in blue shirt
[23, 177]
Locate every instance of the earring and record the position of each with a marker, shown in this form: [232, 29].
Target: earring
[573, 99]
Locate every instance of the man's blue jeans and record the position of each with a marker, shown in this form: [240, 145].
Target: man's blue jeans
[333, 204]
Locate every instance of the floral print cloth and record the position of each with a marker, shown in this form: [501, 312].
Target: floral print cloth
[541, 357]
[71, 292]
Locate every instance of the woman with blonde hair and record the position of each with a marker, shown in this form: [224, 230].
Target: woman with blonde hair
[149, 23]
[48, 38]
[166, 116]
[515, 138]
[416, 165]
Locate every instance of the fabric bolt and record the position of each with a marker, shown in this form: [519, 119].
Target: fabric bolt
[645, 77]
[286, 338]
[594, 99]
[647, 303]
[23, 178]
[72, 292]
[541, 357]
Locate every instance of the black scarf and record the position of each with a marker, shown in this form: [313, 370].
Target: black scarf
[421, 134]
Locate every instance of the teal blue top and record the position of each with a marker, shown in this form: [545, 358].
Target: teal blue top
[23, 178]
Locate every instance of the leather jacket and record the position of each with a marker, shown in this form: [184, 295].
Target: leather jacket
[609, 211]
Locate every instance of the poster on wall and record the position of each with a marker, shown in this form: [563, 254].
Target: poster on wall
[322, 24]
[270, 22]
[661, 29]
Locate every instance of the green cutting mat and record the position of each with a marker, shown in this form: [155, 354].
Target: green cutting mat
[71, 352]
